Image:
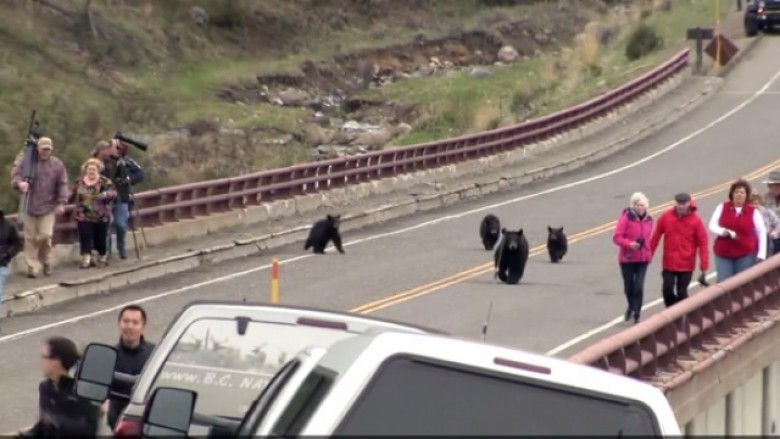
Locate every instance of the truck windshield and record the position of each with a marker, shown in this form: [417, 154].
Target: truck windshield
[229, 370]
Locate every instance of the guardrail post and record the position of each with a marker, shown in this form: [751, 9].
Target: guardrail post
[275, 281]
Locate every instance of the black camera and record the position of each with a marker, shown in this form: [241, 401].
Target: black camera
[137, 143]
[640, 241]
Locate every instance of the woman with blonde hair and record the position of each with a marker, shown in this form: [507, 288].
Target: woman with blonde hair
[632, 236]
[93, 194]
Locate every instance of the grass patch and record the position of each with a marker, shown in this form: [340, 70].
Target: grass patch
[460, 104]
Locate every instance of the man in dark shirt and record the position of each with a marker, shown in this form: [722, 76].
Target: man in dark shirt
[133, 352]
[10, 246]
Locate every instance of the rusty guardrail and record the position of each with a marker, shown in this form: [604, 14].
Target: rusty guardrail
[694, 331]
[171, 204]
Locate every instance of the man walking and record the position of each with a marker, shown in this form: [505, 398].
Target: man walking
[772, 201]
[133, 352]
[684, 234]
[46, 198]
[124, 172]
[10, 246]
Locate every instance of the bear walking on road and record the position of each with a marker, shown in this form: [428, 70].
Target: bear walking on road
[557, 244]
[511, 256]
[322, 232]
[490, 231]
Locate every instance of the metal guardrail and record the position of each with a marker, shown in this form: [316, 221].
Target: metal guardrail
[692, 331]
[171, 204]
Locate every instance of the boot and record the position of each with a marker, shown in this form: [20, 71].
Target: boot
[86, 261]
[102, 261]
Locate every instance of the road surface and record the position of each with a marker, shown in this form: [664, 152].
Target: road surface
[427, 258]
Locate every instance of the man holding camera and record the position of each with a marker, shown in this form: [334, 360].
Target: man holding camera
[47, 195]
[124, 172]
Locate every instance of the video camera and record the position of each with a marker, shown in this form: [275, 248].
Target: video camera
[137, 143]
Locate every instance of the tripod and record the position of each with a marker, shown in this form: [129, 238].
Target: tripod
[124, 179]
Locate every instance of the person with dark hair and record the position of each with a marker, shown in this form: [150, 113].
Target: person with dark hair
[133, 352]
[61, 412]
[741, 233]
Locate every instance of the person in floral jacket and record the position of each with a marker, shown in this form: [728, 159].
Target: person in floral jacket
[93, 195]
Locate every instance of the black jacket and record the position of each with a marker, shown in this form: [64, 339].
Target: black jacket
[130, 361]
[10, 242]
[62, 413]
[123, 172]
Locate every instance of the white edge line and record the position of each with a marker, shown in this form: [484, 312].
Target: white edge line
[75, 319]
[612, 323]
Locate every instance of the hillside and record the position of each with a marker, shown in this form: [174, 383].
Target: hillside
[223, 87]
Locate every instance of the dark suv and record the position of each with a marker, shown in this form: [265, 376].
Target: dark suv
[761, 15]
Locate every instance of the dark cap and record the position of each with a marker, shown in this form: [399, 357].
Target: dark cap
[682, 198]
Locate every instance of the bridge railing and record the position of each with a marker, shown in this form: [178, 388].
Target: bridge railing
[171, 204]
[656, 349]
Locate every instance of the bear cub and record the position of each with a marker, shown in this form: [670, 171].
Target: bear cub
[322, 232]
[511, 256]
[557, 244]
[490, 231]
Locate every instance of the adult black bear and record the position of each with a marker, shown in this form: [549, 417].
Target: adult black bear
[557, 244]
[490, 231]
[511, 256]
[324, 231]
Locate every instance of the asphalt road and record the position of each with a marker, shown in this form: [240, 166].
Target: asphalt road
[554, 303]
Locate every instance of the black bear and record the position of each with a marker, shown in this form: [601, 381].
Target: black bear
[557, 244]
[490, 231]
[511, 256]
[324, 231]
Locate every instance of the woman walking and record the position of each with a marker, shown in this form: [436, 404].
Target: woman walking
[632, 236]
[93, 195]
[771, 221]
[741, 233]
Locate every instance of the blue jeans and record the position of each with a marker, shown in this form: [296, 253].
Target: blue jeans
[121, 216]
[728, 267]
[4, 271]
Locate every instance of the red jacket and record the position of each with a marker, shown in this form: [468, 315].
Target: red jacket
[683, 237]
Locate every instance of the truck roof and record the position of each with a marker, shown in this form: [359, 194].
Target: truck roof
[359, 357]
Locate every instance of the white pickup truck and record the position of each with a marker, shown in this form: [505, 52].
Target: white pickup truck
[224, 351]
[399, 384]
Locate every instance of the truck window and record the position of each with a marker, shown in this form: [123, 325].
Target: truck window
[229, 370]
[304, 403]
[265, 400]
[411, 396]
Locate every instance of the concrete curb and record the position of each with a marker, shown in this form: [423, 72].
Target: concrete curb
[502, 179]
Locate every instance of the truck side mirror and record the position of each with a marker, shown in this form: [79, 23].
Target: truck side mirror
[169, 412]
[96, 372]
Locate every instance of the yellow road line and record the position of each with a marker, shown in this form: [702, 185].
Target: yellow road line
[488, 267]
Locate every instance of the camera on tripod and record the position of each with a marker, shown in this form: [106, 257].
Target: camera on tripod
[137, 143]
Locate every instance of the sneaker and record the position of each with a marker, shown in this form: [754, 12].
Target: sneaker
[102, 261]
[122, 254]
[47, 270]
[86, 261]
[31, 273]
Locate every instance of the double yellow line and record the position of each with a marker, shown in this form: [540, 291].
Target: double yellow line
[488, 267]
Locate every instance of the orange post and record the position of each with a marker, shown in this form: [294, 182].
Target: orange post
[275, 281]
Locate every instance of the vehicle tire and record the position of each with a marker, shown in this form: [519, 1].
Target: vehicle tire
[751, 28]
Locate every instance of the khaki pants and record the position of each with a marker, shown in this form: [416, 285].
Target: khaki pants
[38, 233]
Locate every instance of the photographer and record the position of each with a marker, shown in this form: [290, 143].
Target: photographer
[124, 172]
[46, 195]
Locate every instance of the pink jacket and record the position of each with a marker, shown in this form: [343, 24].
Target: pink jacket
[629, 229]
